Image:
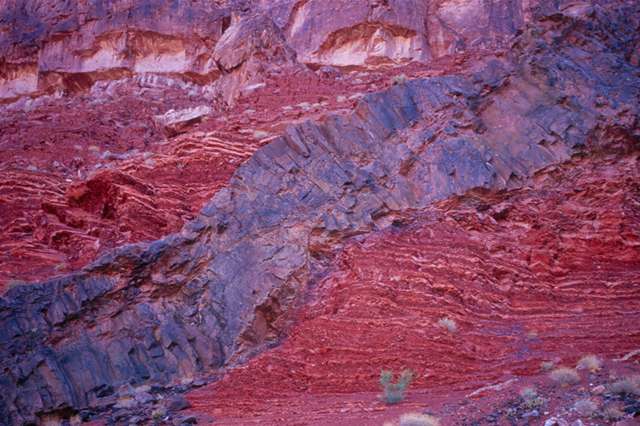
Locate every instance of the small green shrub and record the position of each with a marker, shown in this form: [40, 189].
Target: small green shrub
[531, 399]
[528, 393]
[392, 393]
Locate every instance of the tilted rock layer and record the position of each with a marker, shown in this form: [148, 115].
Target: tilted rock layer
[228, 285]
[83, 82]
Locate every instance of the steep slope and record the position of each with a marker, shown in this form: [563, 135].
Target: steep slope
[82, 85]
[227, 285]
[547, 272]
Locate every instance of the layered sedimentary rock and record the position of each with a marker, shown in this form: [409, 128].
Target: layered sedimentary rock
[377, 31]
[525, 274]
[84, 81]
[70, 45]
[225, 286]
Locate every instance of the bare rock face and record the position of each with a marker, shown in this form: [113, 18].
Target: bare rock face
[252, 47]
[377, 31]
[358, 32]
[70, 45]
[226, 286]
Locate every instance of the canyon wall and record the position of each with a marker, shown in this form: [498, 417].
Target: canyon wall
[68, 46]
[225, 287]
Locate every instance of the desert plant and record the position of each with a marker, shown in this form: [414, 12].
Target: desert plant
[530, 398]
[586, 407]
[565, 376]
[417, 419]
[626, 386]
[392, 393]
[448, 323]
[158, 414]
[612, 413]
[547, 365]
[528, 393]
[589, 362]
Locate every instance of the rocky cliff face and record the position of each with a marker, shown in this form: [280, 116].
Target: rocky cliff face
[70, 45]
[229, 284]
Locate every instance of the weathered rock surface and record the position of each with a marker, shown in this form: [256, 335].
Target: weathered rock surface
[359, 32]
[85, 80]
[226, 285]
[175, 122]
[70, 45]
[525, 274]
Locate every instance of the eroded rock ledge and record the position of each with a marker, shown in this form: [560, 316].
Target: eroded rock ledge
[222, 288]
[68, 46]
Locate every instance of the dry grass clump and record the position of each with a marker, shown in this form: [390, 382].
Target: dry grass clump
[586, 407]
[417, 419]
[392, 393]
[612, 413]
[448, 324]
[547, 365]
[565, 376]
[531, 399]
[528, 393]
[626, 386]
[589, 362]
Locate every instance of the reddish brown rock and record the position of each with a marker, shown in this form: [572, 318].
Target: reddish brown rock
[277, 230]
[525, 274]
[70, 45]
[252, 48]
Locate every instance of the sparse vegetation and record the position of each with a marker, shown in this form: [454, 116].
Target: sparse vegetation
[612, 413]
[158, 414]
[565, 376]
[589, 362]
[448, 323]
[626, 386]
[547, 365]
[528, 393]
[417, 419]
[531, 399]
[392, 393]
[586, 407]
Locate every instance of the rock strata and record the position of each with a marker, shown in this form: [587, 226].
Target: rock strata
[225, 287]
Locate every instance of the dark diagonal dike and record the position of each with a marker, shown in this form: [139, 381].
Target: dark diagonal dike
[223, 288]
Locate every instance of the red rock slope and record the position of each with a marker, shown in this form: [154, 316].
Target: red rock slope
[548, 272]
